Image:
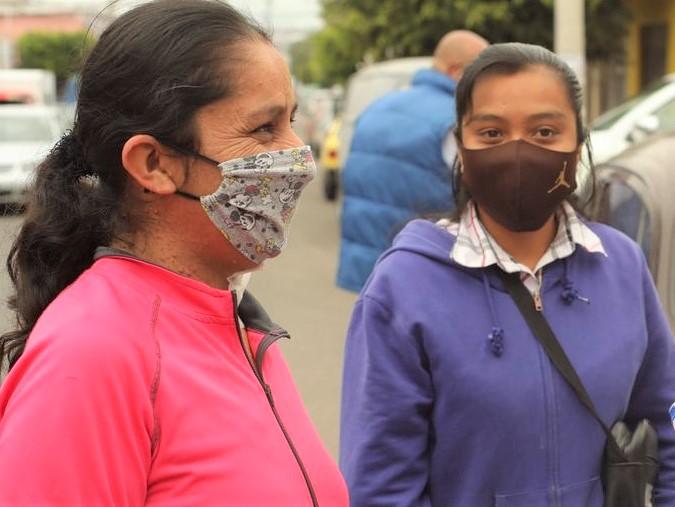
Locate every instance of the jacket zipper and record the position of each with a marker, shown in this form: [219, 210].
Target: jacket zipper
[536, 296]
[550, 402]
[270, 399]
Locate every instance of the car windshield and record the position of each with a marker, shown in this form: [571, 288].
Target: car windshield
[623, 208]
[365, 90]
[612, 116]
[24, 128]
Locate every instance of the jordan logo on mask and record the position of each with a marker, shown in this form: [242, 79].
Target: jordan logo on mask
[560, 181]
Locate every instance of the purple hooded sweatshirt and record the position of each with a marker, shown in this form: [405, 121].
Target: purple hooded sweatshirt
[449, 400]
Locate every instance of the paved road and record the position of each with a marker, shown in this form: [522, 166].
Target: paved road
[297, 290]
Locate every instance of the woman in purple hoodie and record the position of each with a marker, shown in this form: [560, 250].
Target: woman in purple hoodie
[448, 398]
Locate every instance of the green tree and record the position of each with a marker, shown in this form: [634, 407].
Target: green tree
[61, 53]
[372, 30]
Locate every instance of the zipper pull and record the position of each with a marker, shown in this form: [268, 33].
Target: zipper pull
[538, 303]
[268, 393]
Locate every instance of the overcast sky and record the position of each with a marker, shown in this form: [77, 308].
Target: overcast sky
[286, 15]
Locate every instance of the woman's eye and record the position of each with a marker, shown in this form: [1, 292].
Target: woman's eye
[293, 118]
[545, 132]
[491, 133]
[266, 129]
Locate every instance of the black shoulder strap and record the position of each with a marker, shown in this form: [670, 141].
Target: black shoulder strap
[544, 334]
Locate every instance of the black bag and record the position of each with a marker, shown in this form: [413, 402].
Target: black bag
[630, 463]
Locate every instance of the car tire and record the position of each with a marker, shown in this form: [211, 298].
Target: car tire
[330, 185]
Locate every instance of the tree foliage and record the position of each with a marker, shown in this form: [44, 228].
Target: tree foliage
[360, 31]
[61, 53]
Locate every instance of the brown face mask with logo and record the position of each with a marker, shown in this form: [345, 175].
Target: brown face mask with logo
[519, 184]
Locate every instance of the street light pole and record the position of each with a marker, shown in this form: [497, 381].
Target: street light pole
[570, 35]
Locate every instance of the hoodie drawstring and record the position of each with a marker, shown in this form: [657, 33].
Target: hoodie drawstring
[496, 336]
[569, 294]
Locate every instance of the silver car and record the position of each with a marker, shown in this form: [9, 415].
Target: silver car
[636, 194]
[27, 133]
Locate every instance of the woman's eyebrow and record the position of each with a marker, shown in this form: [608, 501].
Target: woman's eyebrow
[484, 117]
[544, 115]
[547, 115]
[273, 110]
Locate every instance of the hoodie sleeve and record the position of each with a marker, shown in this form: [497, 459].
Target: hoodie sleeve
[386, 404]
[76, 422]
[654, 390]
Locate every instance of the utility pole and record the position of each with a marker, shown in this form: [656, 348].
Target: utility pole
[570, 35]
[6, 38]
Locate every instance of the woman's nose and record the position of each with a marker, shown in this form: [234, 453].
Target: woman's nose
[292, 140]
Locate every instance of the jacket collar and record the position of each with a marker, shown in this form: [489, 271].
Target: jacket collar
[249, 310]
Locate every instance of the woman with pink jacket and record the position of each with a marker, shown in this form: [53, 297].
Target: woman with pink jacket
[141, 371]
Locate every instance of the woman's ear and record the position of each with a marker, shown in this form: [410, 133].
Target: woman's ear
[153, 166]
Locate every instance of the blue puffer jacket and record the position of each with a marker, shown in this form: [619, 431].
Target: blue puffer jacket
[395, 171]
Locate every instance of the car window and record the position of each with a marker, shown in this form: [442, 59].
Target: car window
[666, 116]
[612, 116]
[26, 129]
[623, 208]
[365, 90]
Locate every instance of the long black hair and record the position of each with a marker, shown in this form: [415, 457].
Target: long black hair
[152, 69]
[508, 59]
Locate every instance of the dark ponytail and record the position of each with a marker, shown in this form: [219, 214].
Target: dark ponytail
[68, 216]
[150, 72]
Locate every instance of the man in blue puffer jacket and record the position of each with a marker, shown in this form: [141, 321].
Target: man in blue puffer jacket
[397, 167]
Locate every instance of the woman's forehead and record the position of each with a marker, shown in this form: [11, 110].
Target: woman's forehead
[532, 91]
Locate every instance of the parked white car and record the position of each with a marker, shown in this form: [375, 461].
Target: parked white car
[650, 112]
[27, 133]
[370, 83]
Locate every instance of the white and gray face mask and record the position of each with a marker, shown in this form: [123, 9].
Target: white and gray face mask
[256, 200]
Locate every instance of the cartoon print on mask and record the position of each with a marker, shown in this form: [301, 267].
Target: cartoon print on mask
[252, 190]
[300, 160]
[263, 161]
[241, 200]
[292, 192]
[247, 221]
[257, 198]
[272, 246]
[264, 190]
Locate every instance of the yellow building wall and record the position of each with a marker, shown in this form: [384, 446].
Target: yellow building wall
[646, 12]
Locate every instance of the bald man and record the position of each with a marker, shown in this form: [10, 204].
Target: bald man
[398, 163]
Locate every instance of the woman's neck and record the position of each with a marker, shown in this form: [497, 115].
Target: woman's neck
[527, 248]
[167, 251]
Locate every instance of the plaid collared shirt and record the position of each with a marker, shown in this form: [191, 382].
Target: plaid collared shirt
[475, 248]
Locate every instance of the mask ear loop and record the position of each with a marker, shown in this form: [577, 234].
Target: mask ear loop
[187, 195]
[189, 153]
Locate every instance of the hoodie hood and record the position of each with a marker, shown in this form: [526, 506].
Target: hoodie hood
[425, 238]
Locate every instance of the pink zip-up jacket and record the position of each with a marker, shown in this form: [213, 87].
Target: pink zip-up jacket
[134, 389]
